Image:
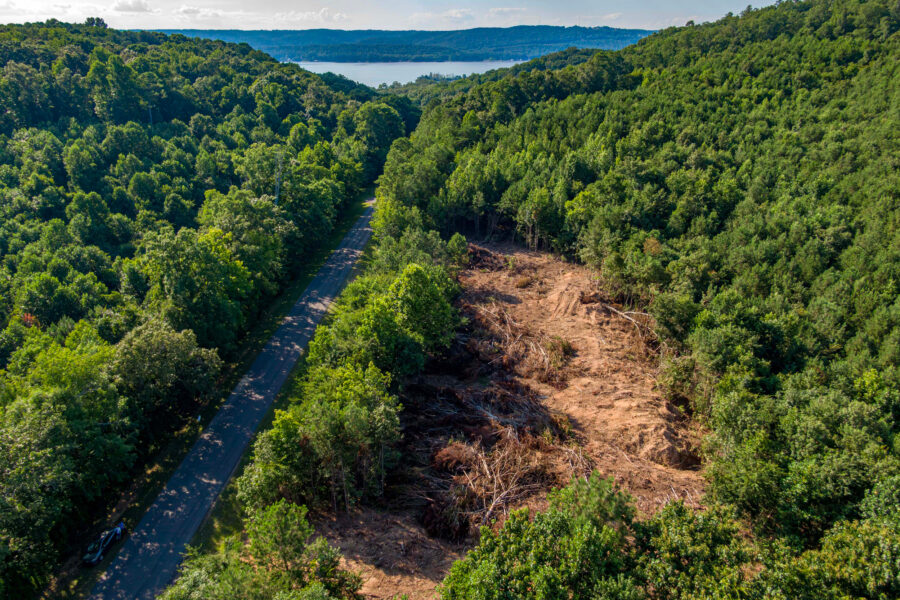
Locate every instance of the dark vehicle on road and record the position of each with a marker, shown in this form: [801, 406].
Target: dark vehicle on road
[98, 549]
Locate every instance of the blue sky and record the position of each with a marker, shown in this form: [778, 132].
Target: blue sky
[369, 14]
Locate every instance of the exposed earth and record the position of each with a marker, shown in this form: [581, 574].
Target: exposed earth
[547, 380]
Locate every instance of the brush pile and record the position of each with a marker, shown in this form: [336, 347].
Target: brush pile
[489, 450]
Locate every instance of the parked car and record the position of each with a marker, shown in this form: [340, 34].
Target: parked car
[99, 548]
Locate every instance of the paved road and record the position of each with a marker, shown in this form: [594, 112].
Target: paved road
[149, 559]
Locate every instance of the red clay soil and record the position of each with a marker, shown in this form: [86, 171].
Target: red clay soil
[547, 380]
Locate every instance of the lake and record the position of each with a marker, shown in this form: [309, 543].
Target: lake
[376, 73]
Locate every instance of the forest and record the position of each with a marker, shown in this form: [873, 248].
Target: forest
[482, 43]
[738, 181]
[156, 194]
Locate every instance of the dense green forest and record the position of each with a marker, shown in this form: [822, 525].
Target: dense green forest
[482, 43]
[156, 192]
[334, 444]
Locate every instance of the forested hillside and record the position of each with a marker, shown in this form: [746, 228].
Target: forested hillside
[739, 180]
[428, 88]
[155, 192]
[336, 442]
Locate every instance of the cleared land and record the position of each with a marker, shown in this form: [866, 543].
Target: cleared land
[548, 379]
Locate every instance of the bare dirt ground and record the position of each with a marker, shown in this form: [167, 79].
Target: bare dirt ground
[547, 380]
[392, 552]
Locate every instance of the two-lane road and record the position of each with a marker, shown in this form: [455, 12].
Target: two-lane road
[149, 559]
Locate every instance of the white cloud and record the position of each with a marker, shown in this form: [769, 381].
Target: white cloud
[197, 16]
[9, 8]
[458, 13]
[322, 16]
[453, 17]
[132, 6]
[190, 12]
[507, 10]
[611, 16]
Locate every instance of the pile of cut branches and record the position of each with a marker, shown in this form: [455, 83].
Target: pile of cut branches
[489, 450]
[513, 346]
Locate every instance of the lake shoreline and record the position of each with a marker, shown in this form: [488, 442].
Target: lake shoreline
[377, 73]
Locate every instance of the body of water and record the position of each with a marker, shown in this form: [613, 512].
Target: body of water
[376, 73]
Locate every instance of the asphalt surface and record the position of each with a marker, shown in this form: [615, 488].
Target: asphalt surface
[149, 558]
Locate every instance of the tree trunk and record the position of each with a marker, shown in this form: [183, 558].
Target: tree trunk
[346, 492]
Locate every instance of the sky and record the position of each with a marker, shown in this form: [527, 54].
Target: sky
[371, 14]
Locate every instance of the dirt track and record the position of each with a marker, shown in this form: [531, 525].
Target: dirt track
[149, 559]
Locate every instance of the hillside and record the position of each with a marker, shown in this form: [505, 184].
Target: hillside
[737, 180]
[545, 381]
[485, 43]
[731, 192]
[156, 193]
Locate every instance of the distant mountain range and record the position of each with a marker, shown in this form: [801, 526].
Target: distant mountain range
[486, 43]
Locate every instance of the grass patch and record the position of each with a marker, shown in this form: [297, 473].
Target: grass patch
[559, 351]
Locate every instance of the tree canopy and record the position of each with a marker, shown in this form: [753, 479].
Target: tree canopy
[738, 179]
[156, 192]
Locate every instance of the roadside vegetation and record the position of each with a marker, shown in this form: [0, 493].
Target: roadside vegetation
[734, 180]
[157, 193]
[331, 448]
